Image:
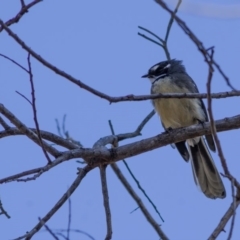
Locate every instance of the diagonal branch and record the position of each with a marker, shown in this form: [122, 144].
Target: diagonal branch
[33, 103]
[103, 95]
[137, 132]
[59, 204]
[162, 42]
[4, 124]
[23, 128]
[3, 211]
[234, 212]
[24, 9]
[139, 202]
[224, 221]
[14, 62]
[195, 40]
[103, 155]
[12, 131]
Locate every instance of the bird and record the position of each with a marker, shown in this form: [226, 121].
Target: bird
[171, 77]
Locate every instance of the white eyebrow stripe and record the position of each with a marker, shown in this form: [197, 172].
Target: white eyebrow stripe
[168, 66]
[155, 67]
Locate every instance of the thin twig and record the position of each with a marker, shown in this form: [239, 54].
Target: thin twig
[24, 9]
[35, 109]
[153, 34]
[23, 96]
[76, 231]
[13, 61]
[162, 42]
[58, 205]
[24, 129]
[130, 171]
[106, 201]
[137, 132]
[171, 20]
[224, 221]
[165, 48]
[49, 230]
[22, 3]
[195, 40]
[12, 131]
[139, 202]
[210, 113]
[16, 177]
[66, 133]
[124, 180]
[142, 190]
[96, 92]
[144, 121]
[234, 212]
[69, 217]
[3, 211]
[150, 39]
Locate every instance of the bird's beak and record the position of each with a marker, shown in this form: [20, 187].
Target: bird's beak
[145, 75]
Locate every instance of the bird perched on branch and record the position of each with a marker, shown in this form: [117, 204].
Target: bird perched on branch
[171, 77]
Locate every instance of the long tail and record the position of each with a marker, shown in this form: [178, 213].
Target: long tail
[205, 172]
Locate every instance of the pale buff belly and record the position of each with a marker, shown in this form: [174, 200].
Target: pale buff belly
[176, 113]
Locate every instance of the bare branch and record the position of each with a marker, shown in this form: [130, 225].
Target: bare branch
[35, 109]
[66, 133]
[137, 132]
[59, 204]
[153, 34]
[130, 171]
[22, 3]
[27, 131]
[234, 212]
[4, 124]
[17, 177]
[23, 96]
[69, 217]
[171, 21]
[176, 135]
[76, 231]
[148, 38]
[162, 42]
[106, 201]
[195, 40]
[126, 183]
[49, 230]
[103, 95]
[224, 221]
[12, 131]
[213, 129]
[13, 61]
[24, 9]
[139, 202]
[103, 155]
[3, 211]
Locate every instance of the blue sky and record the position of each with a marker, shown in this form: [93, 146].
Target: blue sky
[97, 42]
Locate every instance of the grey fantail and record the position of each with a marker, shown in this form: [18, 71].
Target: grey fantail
[171, 77]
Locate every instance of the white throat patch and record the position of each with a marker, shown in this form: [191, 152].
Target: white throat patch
[153, 80]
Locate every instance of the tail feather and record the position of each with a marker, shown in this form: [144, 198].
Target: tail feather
[205, 172]
[181, 147]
